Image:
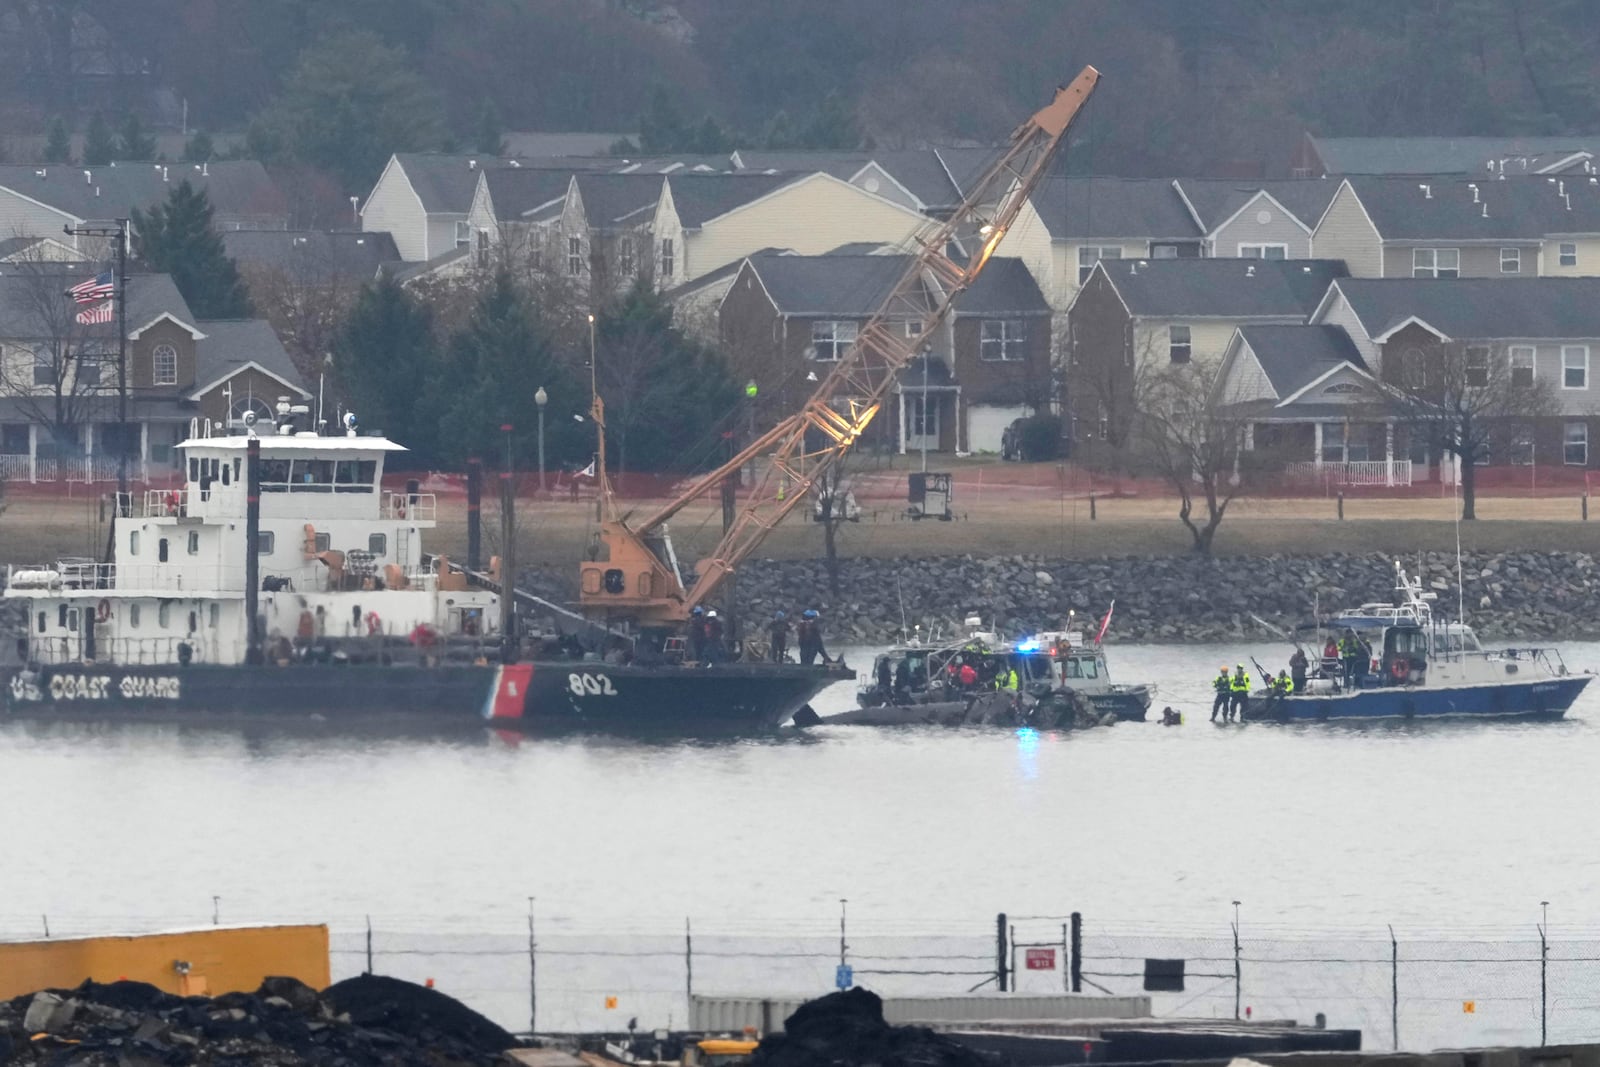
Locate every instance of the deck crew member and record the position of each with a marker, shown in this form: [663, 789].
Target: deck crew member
[1007, 679]
[902, 680]
[716, 649]
[1330, 658]
[1279, 688]
[1297, 669]
[778, 632]
[1350, 654]
[885, 679]
[697, 633]
[1240, 694]
[1224, 687]
[810, 635]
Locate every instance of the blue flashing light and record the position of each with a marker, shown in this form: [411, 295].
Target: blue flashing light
[1030, 645]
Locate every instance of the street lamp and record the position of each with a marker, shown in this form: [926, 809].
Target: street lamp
[540, 399]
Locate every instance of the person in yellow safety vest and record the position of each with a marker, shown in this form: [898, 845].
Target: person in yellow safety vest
[1279, 688]
[1224, 687]
[1350, 655]
[1240, 694]
[1008, 680]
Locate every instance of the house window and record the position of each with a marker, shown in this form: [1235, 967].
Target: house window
[832, 340]
[625, 256]
[913, 328]
[1163, 251]
[165, 361]
[1478, 367]
[44, 367]
[1568, 254]
[13, 440]
[1414, 368]
[1436, 262]
[483, 248]
[378, 544]
[1522, 365]
[463, 234]
[1263, 251]
[1089, 255]
[1001, 341]
[1575, 444]
[668, 263]
[574, 256]
[1178, 347]
[1574, 366]
[89, 370]
[1522, 449]
[264, 542]
[194, 542]
[1511, 261]
[1333, 442]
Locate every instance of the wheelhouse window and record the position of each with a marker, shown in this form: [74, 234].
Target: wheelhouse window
[378, 544]
[1436, 262]
[164, 364]
[1264, 251]
[1574, 366]
[1089, 255]
[1179, 348]
[1521, 359]
[831, 339]
[1568, 254]
[1511, 261]
[264, 542]
[1477, 367]
[1575, 444]
[1001, 341]
[194, 542]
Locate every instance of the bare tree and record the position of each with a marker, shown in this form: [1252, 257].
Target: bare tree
[307, 301]
[1183, 435]
[1461, 398]
[60, 371]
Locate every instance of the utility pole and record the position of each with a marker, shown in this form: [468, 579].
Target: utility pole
[116, 230]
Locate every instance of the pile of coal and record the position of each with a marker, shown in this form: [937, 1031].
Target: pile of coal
[846, 1029]
[363, 1022]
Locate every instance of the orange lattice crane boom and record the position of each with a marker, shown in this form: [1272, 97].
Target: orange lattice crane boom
[636, 573]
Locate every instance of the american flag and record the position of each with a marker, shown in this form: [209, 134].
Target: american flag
[96, 314]
[97, 288]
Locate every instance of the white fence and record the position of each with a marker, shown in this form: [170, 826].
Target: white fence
[19, 468]
[1376, 472]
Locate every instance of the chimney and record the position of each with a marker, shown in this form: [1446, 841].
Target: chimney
[1474, 187]
[1561, 188]
[1485, 210]
[1250, 271]
[472, 164]
[88, 178]
[1133, 268]
[163, 173]
[1427, 191]
[97, 190]
[1567, 199]
[40, 173]
[205, 169]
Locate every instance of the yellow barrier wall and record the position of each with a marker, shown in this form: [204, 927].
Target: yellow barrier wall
[222, 959]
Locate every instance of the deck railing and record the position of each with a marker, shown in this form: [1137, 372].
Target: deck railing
[1374, 472]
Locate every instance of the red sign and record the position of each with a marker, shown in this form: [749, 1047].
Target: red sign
[1040, 959]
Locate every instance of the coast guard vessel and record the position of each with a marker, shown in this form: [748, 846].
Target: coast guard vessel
[1425, 668]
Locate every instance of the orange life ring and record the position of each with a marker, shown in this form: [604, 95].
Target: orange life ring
[374, 624]
[102, 610]
[1399, 670]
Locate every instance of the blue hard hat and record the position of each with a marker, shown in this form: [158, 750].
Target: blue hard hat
[697, 610]
[777, 615]
[809, 614]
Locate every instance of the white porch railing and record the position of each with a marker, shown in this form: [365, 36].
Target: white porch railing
[14, 468]
[1373, 472]
[17, 468]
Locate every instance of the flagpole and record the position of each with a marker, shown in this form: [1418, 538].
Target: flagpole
[122, 367]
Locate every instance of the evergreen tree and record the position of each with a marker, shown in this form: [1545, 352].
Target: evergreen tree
[665, 393]
[350, 103]
[661, 128]
[495, 363]
[489, 133]
[58, 145]
[780, 132]
[199, 148]
[709, 139]
[133, 143]
[99, 147]
[178, 238]
[834, 125]
[385, 356]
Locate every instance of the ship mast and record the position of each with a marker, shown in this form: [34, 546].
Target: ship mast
[631, 577]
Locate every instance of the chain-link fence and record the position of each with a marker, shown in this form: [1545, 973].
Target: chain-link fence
[566, 974]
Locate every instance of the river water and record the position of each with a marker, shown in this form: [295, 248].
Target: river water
[1317, 831]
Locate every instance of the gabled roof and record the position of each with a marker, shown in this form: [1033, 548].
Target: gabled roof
[1455, 209]
[854, 285]
[699, 198]
[1448, 155]
[230, 345]
[516, 192]
[1073, 208]
[314, 256]
[445, 183]
[1293, 357]
[1221, 288]
[1216, 200]
[619, 199]
[842, 165]
[150, 297]
[1478, 308]
[236, 188]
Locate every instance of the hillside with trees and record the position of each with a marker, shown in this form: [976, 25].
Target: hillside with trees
[1189, 88]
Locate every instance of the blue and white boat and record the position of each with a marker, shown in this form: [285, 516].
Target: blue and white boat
[1424, 668]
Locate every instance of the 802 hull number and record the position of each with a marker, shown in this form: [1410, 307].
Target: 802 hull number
[590, 685]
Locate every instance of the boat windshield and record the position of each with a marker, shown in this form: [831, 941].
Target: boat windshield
[1459, 639]
[1033, 668]
[1082, 667]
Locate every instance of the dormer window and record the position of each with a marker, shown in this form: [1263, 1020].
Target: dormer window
[164, 363]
